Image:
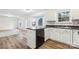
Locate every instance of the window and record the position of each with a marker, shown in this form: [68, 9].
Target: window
[40, 22]
[63, 15]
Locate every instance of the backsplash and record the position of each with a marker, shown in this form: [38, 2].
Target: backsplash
[50, 22]
[75, 21]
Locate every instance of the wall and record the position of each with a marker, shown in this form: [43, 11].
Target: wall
[75, 13]
[51, 16]
[31, 17]
[8, 22]
[22, 22]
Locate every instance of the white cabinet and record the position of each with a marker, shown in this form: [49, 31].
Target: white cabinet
[76, 38]
[66, 36]
[55, 35]
[31, 38]
[61, 35]
[51, 33]
[47, 33]
[75, 13]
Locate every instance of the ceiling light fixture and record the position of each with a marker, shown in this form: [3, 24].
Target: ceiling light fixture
[28, 10]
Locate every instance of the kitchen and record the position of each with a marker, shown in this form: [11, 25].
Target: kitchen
[37, 28]
[64, 30]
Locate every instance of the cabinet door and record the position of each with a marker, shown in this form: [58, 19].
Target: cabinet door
[55, 35]
[31, 38]
[76, 37]
[47, 33]
[75, 13]
[66, 36]
[62, 35]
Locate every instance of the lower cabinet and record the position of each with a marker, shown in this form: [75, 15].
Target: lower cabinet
[75, 41]
[61, 35]
[35, 38]
[47, 32]
[55, 35]
[66, 36]
[31, 38]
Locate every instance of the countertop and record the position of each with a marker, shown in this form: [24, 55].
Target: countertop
[34, 29]
[63, 27]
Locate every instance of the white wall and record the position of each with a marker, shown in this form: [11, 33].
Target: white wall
[28, 21]
[75, 13]
[50, 15]
[22, 22]
[8, 22]
[31, 17]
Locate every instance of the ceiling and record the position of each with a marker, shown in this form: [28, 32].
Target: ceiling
[20, 12]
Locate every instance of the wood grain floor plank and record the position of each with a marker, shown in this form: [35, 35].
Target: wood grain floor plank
[12, 42]
[52, 44]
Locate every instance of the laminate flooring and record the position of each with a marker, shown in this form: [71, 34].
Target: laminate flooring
[52, 44]
[12, 42]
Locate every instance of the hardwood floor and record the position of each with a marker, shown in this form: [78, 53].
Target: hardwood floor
[12, 42]
[52, 44]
